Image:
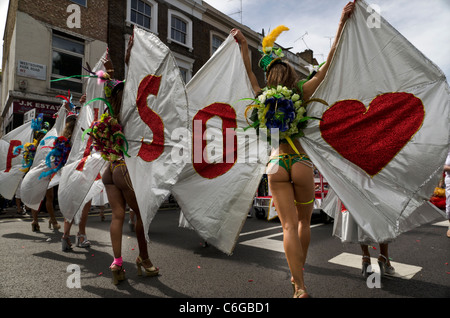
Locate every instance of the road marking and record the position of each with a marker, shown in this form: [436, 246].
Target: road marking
[443, 223]
[403, 271]
[266, 242]
[262, 230]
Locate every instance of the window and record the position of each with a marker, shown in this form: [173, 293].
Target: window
[184, 74]
[216, 42]
[80, 2]
[67, 60]
[143, 13]
[185, 65]
[180, 29]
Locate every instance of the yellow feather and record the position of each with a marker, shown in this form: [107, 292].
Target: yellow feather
[270, 39]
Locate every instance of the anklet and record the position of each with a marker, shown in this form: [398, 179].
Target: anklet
[118, 262]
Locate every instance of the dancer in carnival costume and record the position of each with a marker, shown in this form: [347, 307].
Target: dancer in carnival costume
[40, 129]
[57, 157]
[282, 105]
[81, 238]
[108, 138]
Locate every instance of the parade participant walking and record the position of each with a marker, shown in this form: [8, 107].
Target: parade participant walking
[81, 238]
[292, 186]
[118, 184]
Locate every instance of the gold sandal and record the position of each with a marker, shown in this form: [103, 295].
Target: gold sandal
[118, 273]
[55, 224]
[300, 293]
[149, 271]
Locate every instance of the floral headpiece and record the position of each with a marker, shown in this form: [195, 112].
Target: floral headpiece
[271, 55]
[282, 109]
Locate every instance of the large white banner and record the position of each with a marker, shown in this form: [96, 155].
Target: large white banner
[194, 150]
[81, 176]
[384, 138]
[34, 187]
[217, 187]
[11, 164]
[154, 108]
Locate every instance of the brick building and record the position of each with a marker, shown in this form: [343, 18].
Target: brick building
[192, 29]
[45, 40]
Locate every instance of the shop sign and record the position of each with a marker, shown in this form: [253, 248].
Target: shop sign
[21, 106]
[32, 70]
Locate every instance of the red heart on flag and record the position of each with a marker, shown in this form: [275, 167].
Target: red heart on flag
[371, 137]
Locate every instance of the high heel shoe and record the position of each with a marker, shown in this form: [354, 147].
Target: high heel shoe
[118, 273]
[365, 267]
[66, 245]
[384, 267]
[55, 224]
[84, 242]
[149, 271]
[35, 227]
[300, 293]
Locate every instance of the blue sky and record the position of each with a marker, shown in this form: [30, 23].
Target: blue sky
[426, 24]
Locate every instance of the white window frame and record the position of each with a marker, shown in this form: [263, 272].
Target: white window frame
[189, 28]
[153, 18]
[186, 63]
[78, 55]
[212, 35]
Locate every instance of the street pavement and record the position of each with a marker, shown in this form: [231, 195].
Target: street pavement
[33, 265]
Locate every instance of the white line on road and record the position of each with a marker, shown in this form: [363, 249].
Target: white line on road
[266, 242]
[443, 223]
[403, 271]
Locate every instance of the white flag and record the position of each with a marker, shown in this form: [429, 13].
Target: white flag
[154, 109]
[10, 163]
[33, 187]
[384, 138]
[217, 187]
[81, 176]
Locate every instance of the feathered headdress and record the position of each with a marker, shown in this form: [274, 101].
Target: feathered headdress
[71, 105]
[29, 151]
[270, 53]
[57, 157]
[39, 126]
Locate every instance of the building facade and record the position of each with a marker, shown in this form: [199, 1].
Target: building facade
[46, 40]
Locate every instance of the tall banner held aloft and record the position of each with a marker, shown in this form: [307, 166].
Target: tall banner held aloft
[154, 108]
[383, 142]
[217, 187]
[81, 176]
[11, 170]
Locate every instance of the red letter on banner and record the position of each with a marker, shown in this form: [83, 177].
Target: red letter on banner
[150, 86]
[87, 151]
[228, 116]
[11, 155]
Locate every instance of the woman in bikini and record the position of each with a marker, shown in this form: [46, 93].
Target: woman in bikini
[120, 192]
[290, 174]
